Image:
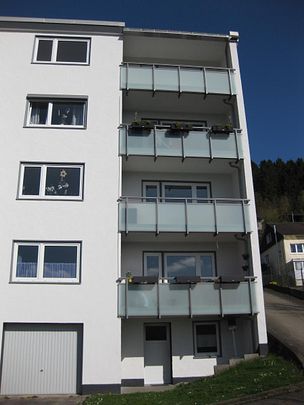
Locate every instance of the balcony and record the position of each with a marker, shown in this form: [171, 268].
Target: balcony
[207, 297]
[177, 78]
[215, 215]
[199, 142]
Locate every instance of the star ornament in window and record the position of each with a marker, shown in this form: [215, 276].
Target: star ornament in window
[63, 173]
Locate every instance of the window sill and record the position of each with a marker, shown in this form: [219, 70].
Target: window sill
[59, 198]
[41, 62]
[56, 126]
[56, 282]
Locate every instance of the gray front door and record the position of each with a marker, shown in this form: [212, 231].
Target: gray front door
[157, 354]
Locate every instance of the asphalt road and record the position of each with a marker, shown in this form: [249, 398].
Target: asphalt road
[285, 320]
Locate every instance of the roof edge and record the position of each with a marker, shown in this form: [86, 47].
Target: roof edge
[174, 34]
[61, 21]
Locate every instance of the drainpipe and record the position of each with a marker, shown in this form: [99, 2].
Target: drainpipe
[277, 248]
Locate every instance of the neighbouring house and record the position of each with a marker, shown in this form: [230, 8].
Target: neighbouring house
[129, 242]
[282, 252]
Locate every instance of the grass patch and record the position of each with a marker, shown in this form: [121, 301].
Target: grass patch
[247, 378]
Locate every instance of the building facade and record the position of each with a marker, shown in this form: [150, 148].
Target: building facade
[282, 253]
[168, 284]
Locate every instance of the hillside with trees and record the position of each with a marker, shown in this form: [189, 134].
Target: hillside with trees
[279, 189]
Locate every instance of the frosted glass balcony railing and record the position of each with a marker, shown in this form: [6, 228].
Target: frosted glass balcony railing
[140, 214]
[161, 141]
[177, 78]
[172, 299]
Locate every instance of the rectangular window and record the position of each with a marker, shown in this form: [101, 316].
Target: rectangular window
[297, 247]
[189, 264]
[56, 113]
[62, 50]
[153, 264]
[206, 339]
[48, 262]
[51, 181]
[175, 192]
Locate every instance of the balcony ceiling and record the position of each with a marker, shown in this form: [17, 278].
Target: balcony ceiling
[178, 237]
[175, 165]
[165, 102]
[181, 51]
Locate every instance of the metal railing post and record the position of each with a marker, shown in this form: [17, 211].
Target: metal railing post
[244, 219]
[250, 297]
[154, 142]
[236, 144]
[127, 137]
[153, 78]
[186, 217]
[126, 216]
[221, 300]
[127, 77]
[182, 145]
[158, 303]
[215, 217]
[190, 300]
[205, 82]
[156, 216]
[179, 80]
[126, 298]
[229, 80]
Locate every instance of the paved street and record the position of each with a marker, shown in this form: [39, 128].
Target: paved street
[285, 320]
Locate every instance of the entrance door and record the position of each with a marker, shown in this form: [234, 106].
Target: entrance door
[157, 354]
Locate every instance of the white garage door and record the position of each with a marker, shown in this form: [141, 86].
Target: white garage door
[39, 359]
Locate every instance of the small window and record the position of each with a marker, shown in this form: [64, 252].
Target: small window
[297, 247]
[51, 181]
[62, 50]
[206, 339]
[156, 332]
[56, 113]
[153, 264]
[46, 262]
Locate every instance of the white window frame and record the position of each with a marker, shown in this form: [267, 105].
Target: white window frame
[43, 173]
[157, 254]
[161, 187]
[40, 263]
[296, 247]
[207, 354]
[55, 41]
[197, 256]
[51, 101]
[192, 185]
[151, 183]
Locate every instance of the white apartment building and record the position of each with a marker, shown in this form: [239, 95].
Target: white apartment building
[129, 240]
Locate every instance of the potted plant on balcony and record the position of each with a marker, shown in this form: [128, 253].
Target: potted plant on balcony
[222, 129]
[141, 125]
[180, 126]
[129, 277]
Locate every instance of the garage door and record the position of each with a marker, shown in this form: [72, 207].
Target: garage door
[40, 359]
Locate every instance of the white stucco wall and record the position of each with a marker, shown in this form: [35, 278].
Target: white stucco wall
[92, 221]
[249, 191]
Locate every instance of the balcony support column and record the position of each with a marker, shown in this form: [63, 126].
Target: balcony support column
[250, 297]
[190, 300]
[156, 216]
[221, 300]
[186, 218]
[154, 142]
[158, 301]
[205, 83]
[215, 218]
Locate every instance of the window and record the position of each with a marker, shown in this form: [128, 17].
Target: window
[62, 50]
[299, 266]
[156, 332]
[206, 339]
[173, 192]
[46, 262]
[297, 247]
[51, 181]
[179, 264]
[153, 264]
[56, 113]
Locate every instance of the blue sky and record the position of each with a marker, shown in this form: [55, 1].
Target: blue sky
[270, 51]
